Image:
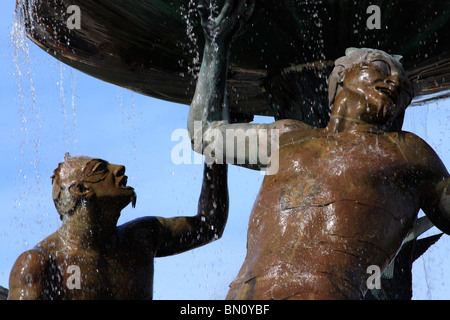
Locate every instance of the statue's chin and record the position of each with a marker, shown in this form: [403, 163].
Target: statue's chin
[132, 196]
[383, 116]
[133, 199]
[128, 196]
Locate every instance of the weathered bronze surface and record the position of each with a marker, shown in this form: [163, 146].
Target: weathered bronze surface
[278, 65]
[342, 198]
[90, 257]
[340, 203]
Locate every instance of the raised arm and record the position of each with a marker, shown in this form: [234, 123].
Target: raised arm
[184, 233]
[209, 125]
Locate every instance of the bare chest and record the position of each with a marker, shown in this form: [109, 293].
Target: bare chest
[364, 166]
[84, 275]
[338, 183]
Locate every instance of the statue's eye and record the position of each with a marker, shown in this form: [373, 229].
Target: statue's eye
[95, 171]
[383, 66]
[99, 167]
[95, 167]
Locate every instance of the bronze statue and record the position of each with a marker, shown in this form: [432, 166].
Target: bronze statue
[343, 197]
[89, 256]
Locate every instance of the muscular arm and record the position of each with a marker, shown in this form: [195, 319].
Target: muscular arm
[434, 184]
[436, 203]
[209, 125]
[26, 281]
[184, 233]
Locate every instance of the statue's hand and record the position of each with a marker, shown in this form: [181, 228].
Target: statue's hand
[220, 24]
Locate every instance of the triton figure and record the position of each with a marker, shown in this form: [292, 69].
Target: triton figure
[110, 261]
[345, 196]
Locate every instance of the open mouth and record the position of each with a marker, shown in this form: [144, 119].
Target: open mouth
[127, 191]
[123, 182]
[386, 91]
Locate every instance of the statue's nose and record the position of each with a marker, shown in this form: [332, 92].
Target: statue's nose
[118, 170]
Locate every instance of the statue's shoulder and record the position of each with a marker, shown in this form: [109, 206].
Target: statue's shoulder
[148, 223]
[144, 230]
[288, 125]
[29, 263]
[28, 273]
[411, 141]
[418, 151]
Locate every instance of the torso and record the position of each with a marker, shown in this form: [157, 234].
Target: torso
[126, 272]
[338, 204]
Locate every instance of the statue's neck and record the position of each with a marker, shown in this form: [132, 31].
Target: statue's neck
[345, 118]
[81, 230]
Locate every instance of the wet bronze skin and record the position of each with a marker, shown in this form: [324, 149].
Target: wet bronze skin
[345, 196]
[115, 262]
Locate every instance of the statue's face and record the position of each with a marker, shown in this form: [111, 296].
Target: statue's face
[94, 179]
[379, 87]
[109, 183]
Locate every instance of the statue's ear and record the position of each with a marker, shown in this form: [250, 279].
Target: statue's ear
[66, 199]
[340, 74]
[65, 203]
[399, 58]
[80, 190]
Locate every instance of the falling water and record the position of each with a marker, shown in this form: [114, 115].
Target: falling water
[29, 112]
[129, 121]
[73, 82]
[70, 123]
[29, 173]
[190, 16]
[129, 116]
[320, 45]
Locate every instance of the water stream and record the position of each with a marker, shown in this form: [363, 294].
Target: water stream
[29, 158]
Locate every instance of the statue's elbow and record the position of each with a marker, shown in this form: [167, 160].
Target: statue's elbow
[195, 132]
[221, 227]
[216, 230]
[216, 234]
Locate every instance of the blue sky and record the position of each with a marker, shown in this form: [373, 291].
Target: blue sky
[51, 109]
